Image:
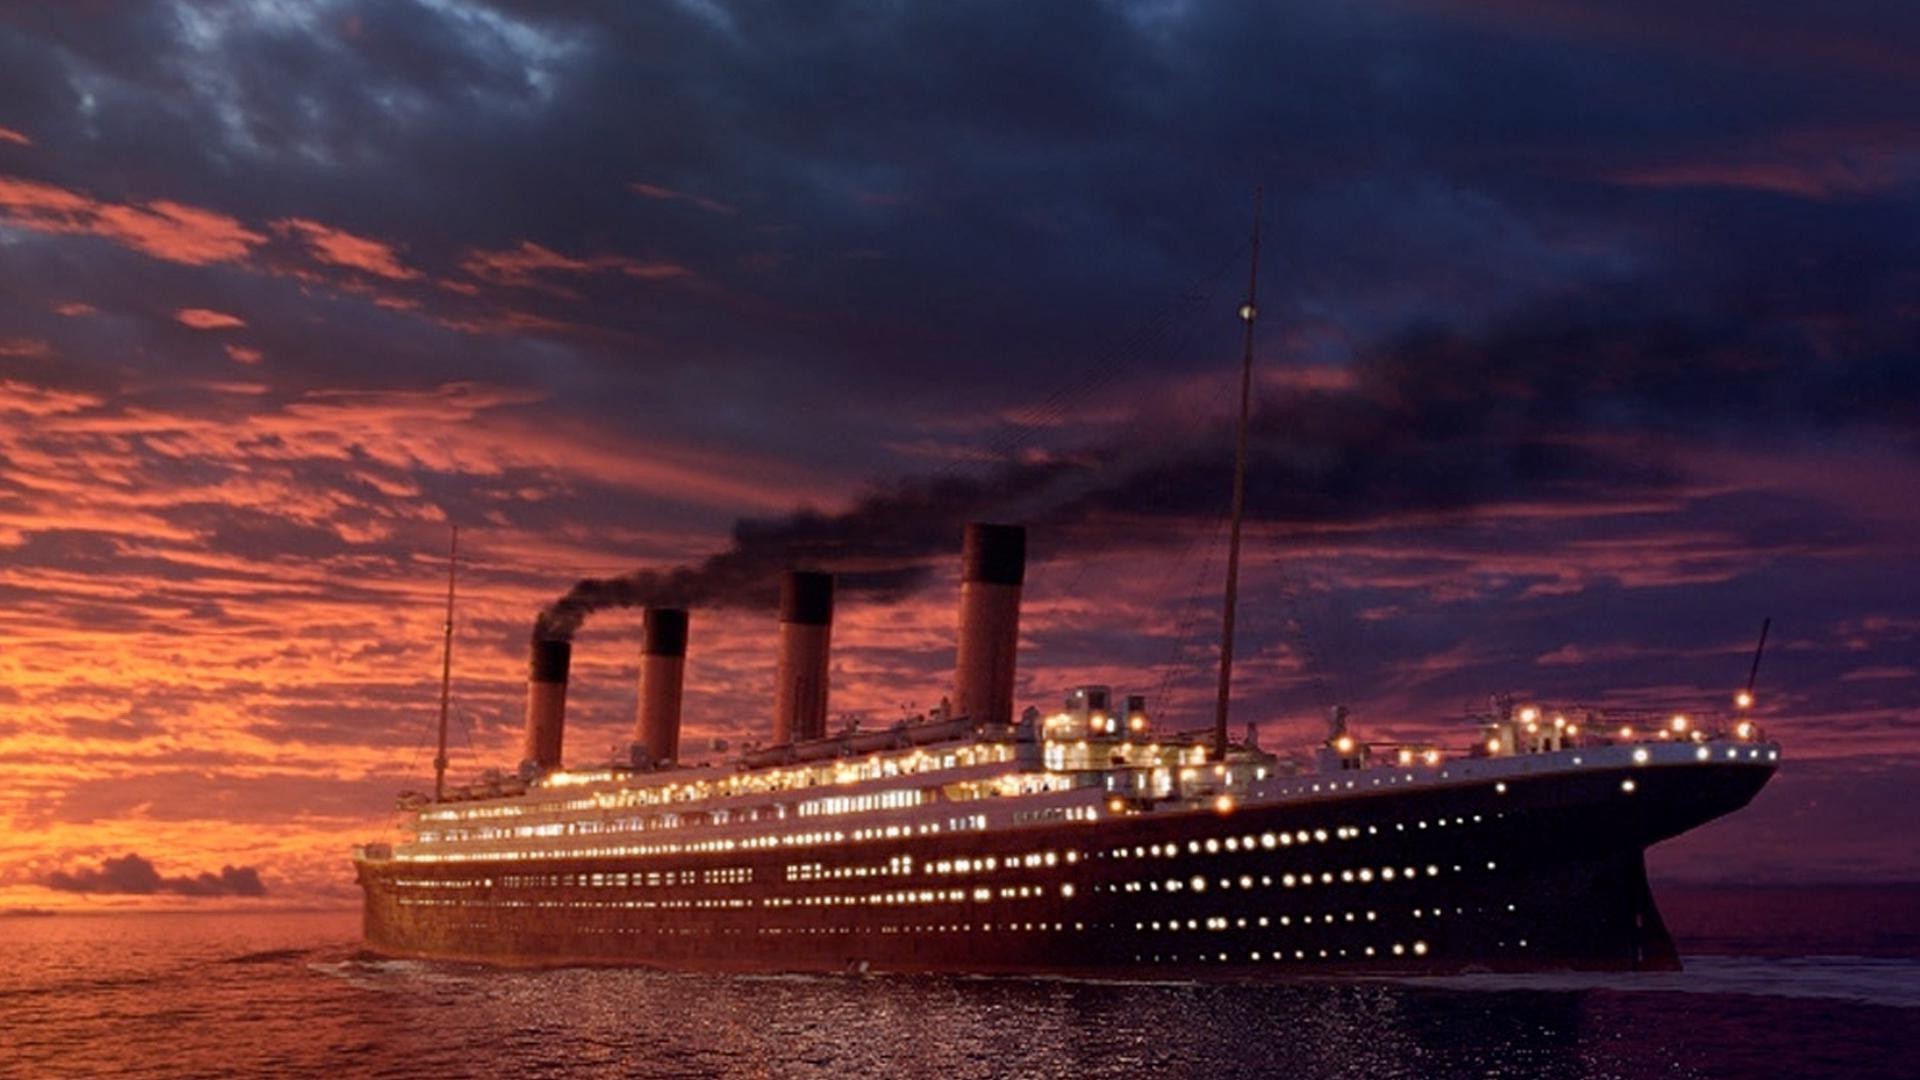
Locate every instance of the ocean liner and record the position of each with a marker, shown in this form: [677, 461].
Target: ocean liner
[1087, 840]
[1083, 841]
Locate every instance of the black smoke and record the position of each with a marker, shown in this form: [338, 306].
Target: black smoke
[879, 549]
[1581, 401]
[130, 874]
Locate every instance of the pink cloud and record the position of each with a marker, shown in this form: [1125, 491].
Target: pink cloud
[243, 355]
[1885, 671]
[166, 230]
[507, 323]
[1806, 180]
[521, 266]
[9, 135]
[341, 248]
[76, 309]
[24, 348]
[207, 319]
[1819, 164]
[667, 194]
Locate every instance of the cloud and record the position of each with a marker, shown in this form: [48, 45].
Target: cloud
[130, 874]
[167, 230]
[24, 348]
[666, 194]
[240, 354]
[11, 136]
[338, 247]
[25, 399]
[207, 319]
[521, 266]
[1815, 164]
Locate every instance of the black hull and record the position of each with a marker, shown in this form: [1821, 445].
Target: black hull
[1533, 873]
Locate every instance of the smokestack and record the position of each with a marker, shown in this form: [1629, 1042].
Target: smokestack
[800, 688]
[993, 566]
[546, 703]
[663, 657]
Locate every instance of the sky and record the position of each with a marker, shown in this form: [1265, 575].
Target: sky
[1587, 341]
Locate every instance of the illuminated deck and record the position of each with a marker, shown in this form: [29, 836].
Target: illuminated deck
[1088, 855]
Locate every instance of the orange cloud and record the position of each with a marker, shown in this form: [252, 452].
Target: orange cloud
[163, 229]
[342, 248]
[521, 266]
[243, 355]
[76, 309]
[27, 400]
[12, 136]
[208, 319]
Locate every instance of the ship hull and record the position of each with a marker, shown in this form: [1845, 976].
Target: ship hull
[1533, 873]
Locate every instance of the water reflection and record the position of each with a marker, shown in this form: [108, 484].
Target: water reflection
[196, 997]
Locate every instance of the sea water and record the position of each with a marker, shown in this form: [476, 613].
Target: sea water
[1783, 983]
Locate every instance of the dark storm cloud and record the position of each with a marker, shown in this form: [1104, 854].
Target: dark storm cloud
[931, 203]
[132, 875]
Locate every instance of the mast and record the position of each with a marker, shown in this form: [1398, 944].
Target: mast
[446, 671]
[1247, 313]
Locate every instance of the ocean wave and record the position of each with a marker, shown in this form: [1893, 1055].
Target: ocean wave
[266, 956]
[1862, 979]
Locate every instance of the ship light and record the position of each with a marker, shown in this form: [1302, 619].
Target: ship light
[1560, 722]
[1137, 722]
[1743, 730]
[1529, 714]
[1679, 723]
[1406, 757]
[1344, 744]
[1743, 700]
[1626, 732]
[1223, 804]
[1573, 729]
[1433, 757]
[1493, 746]
[1116, 805]
[1640, 756]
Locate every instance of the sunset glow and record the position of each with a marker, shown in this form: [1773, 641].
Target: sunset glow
[1557, 398]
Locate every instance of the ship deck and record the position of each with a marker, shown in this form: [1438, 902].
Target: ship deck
[1523, 861]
